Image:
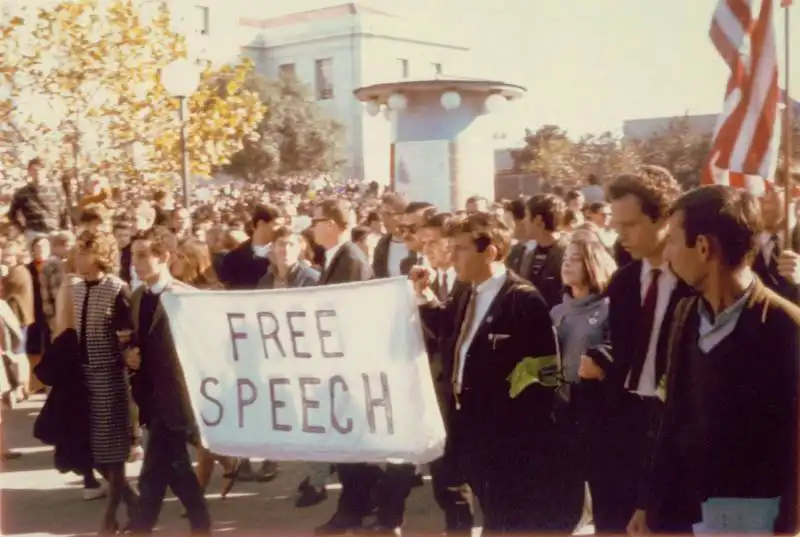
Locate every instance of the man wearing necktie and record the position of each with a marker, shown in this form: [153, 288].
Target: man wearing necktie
[643, 296]
[436, 249]
[777, 262]
[499, 353]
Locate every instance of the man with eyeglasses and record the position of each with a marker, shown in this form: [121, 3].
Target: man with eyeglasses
[413, 217]
[391, 250]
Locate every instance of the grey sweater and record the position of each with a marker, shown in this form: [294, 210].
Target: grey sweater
[581, 323]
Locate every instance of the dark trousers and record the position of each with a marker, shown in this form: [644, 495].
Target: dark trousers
[359, 482]
[457, 515]
[167, 463]
[393, 490]
[619, 448]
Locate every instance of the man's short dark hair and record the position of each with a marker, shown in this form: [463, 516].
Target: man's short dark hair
[157, 245]
[596, 207]
[93, 214]
[486, 230]
[336, 210]
[441, 221]
[359, 233]
[592, 179]
[728, 217]
[573, 195]
[265, 212]
[416, 206]
[654, 187]
[396, 201]
[516, 208]
[35, 161]
[550, 207]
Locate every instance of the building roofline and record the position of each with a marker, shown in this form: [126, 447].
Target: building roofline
[330, 12]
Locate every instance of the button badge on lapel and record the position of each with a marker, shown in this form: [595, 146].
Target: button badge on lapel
[494, 338]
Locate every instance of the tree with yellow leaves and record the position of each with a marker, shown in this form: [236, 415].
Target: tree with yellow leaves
[81, 84]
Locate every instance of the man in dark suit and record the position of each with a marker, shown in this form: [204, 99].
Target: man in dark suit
[725, 457]
[344, 263]
[777, 259]
[542, 266]
[244, 266]
[391, 250]
[159, 389]
[241, 269]
[516, 209]
[414, 216]
[445, 285]
[500, 355]
[643, 296]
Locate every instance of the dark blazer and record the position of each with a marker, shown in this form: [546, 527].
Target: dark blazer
[769, 273]
[125, 264]
[519, 312]
[300, 275]
[624, 312]
[349, 264]
[743, 441]
[409, 262]
[548, 279]
[241, 269]
[515, 255]
[159, 387]
[380, 257]
[495, 440]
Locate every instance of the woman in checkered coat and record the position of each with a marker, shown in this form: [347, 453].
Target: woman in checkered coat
[101, 309]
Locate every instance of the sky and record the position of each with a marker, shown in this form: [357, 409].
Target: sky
[587, 64]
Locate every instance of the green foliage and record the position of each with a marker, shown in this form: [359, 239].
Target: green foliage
[294, 137]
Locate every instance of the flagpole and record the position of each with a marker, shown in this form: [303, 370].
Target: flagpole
[788, 130]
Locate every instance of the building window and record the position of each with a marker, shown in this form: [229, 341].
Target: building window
[202, 21]
[437, 68]
[286, 70]
[323, 76]
[402, 65]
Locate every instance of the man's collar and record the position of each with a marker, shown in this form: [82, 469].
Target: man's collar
[499, 273]
[164, 279]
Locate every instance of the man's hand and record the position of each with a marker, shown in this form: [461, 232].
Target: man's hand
[638, 524]
[132, 358]
[422, 278]
[589, 370]
[789, 266]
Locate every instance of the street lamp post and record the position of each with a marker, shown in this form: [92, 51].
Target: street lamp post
[181, 78]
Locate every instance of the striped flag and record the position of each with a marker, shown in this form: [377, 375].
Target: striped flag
[747, 136]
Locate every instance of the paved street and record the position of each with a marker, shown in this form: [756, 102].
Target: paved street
[37, 500]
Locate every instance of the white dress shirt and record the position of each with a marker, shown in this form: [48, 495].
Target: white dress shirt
[164, 279]
[135, 281]
[666, 284]
[485, 294]
[261, 251]
[330, 253]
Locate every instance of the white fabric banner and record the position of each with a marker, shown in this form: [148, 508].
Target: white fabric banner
[333, 373]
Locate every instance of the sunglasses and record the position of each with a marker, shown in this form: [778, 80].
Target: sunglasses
[408, 228]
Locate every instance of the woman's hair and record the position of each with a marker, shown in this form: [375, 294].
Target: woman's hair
[103, 246]
[198, 271]
[598, 264]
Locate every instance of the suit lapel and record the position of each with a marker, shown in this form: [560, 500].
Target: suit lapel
[326, 275]
[136, 303]
[494, 309]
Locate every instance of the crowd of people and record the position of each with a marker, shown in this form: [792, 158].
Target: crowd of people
[626, 353]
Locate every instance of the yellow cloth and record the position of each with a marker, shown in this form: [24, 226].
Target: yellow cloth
[533, 370]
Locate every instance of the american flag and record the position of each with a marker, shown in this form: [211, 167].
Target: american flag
[747, 136]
